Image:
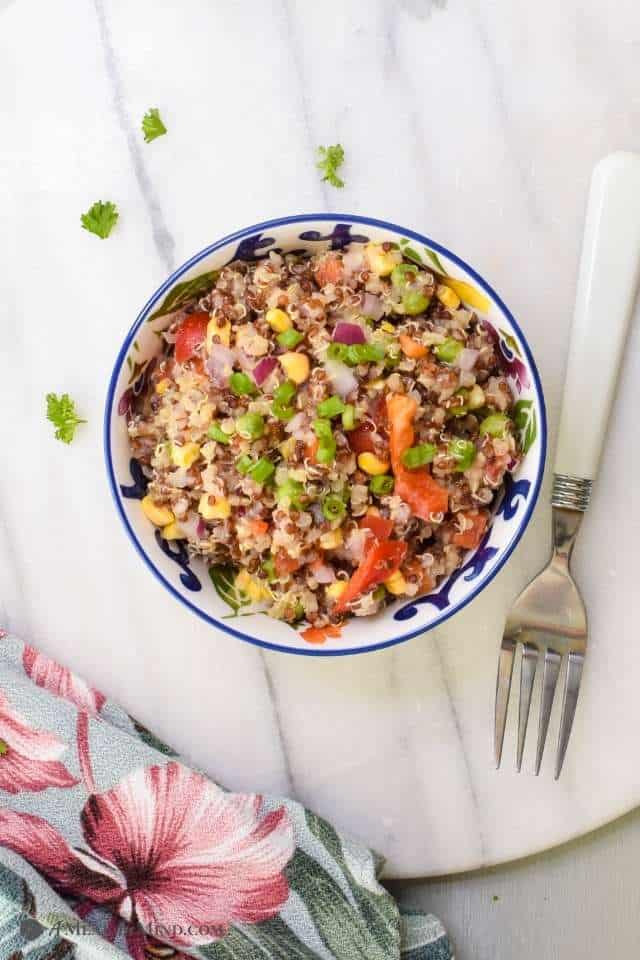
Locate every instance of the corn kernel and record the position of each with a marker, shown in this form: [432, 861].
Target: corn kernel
[296, 366]
[217, 329]
[396, 584]
[387, 327]
[253, 588]
[331, 539]
[380, 261]
[185, 455]
[219, 510]
[335, 590]
[476, 397]
[288, 448]
[160, 516]
[447, 296]
[372, 465]
[172, 531]
[278, 320]
[162, 386]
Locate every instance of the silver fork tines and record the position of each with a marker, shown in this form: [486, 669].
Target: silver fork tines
[548, 621]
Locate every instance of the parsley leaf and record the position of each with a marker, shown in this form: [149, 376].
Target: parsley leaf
[100, 218]
[61, 411]
[329, 160]
[152, 125]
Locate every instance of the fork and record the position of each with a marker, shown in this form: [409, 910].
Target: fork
[548, 620]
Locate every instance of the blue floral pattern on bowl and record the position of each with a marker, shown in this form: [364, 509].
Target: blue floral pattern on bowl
[170, 560]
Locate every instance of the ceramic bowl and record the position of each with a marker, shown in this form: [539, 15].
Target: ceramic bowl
[188, 579]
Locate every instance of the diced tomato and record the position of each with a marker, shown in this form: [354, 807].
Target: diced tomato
[381, 527]
[191, 333]
[258, 527]
[329, 270]
[412, 348]
[416, 487]
[380, 561]
[473, 534]
[361, 439]
[285, 564]
[320, 634]
[311, 448]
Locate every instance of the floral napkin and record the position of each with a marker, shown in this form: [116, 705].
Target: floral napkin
[111, 847]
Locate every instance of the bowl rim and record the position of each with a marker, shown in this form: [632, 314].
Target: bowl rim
[282, 222]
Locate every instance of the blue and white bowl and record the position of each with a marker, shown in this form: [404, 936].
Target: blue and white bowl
[187, 579]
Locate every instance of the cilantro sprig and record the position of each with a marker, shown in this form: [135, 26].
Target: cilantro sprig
[100, 218]
[152, 125]
[330, 159]
[61, 411]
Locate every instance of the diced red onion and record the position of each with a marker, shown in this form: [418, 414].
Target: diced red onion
[262, 369]
[467, 379]
[348, 333]
[316, 512]
[245, 361]
[124, 404]
[353, 261]
[372, 306]
[219, 366]
[341, 377]
[297, 425]
[467, 358]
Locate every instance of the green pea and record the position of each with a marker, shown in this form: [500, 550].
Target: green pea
[242, 385]
[331, 407]
[449, 350]
[250, 426]
[419, 455]
[381, 486]
[463, 452]
[495, 425]
[415, 302]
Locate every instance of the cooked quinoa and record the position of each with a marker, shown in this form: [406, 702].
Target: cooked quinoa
[333, 429]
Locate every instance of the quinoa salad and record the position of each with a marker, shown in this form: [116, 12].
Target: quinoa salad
[329, 432]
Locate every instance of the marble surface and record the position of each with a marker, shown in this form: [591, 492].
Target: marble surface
[477, 123]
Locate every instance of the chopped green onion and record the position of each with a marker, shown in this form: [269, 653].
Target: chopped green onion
[292, 490]
[281, 406]
[215, 432]
[285, 392]
[403, 273]
[289, 338]
[364, 353]
[244, 463]
[463, 452]
[333, 506]
[262, 470]
[419, 455]
[415, 302]
[337, 351]
[348, 417]
[331, 407]
[449, 350]
[250, 426]
[269, 569]
[495, 425]
[381, 486]
[242, 385]
[326, 451]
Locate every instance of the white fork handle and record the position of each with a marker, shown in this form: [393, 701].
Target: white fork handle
[607, 284]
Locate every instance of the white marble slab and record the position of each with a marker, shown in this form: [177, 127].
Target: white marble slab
[477, 123]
